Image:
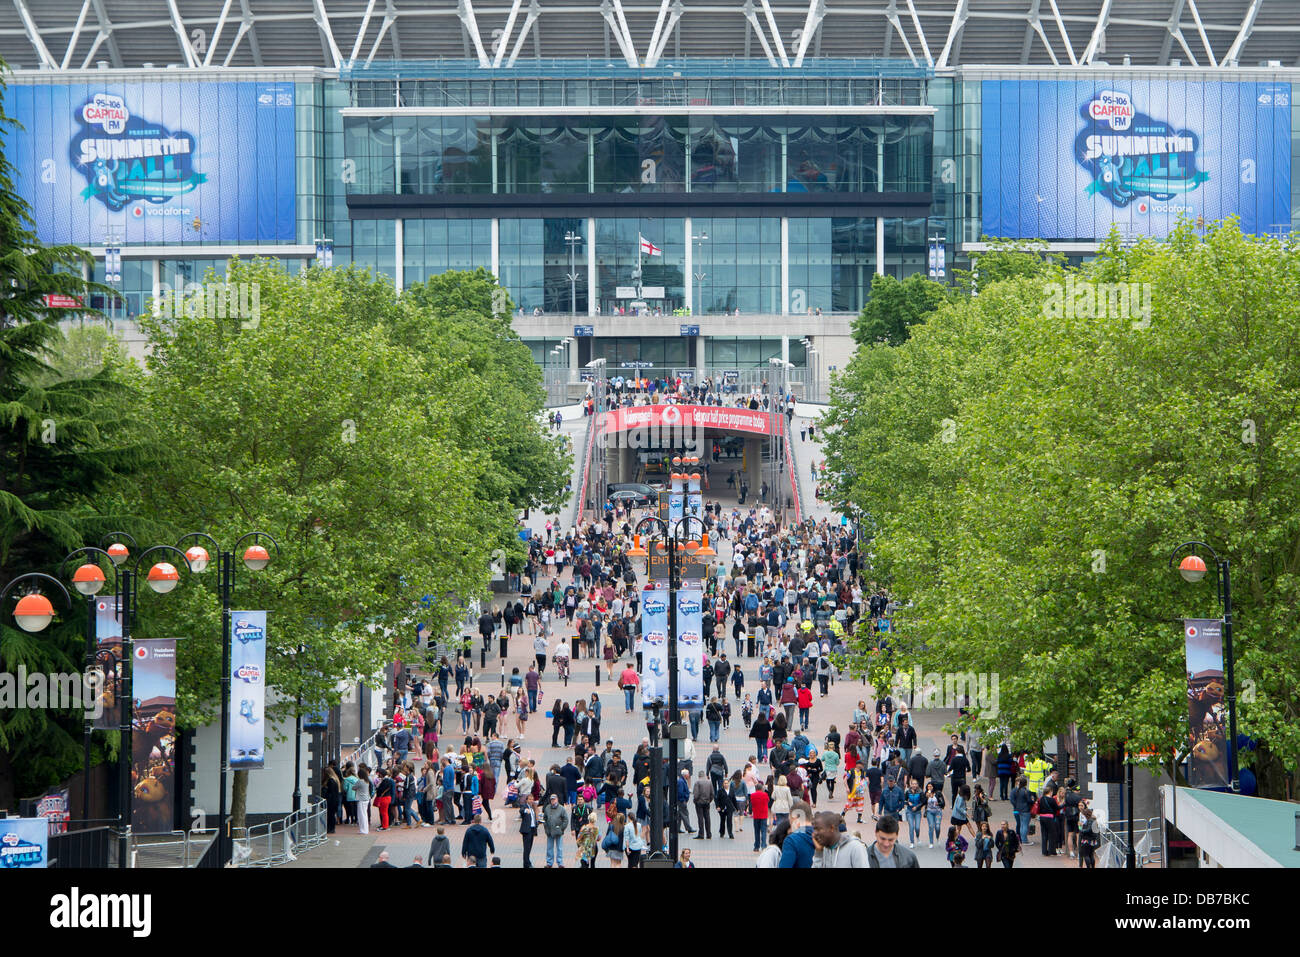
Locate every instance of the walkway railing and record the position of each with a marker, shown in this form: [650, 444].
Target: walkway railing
[280, 841]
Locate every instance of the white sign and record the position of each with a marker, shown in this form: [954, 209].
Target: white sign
[629, 292]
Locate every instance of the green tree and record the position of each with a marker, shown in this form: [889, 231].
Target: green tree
[318, 424]
[893, 307]
[1031, 472]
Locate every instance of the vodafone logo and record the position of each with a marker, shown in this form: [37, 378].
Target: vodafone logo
[141, 652]
[137, 212]
[671, 415]
[1143, 207]
[1191, 631]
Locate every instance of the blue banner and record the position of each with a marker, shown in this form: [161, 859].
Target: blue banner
[654, 645]
[690, 649]
[24, 842]
[247, 689]
[1066, 160]
[156, 162]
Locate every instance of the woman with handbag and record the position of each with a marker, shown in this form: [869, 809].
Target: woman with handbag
[612, 844]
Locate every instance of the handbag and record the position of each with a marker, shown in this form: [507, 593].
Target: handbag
[477, 805]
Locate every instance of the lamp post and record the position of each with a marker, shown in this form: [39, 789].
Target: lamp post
[162, 577]
[673, 539]
[573, 240]
[255, 559]
[88, 580]
[1193, 569]
[700, 274]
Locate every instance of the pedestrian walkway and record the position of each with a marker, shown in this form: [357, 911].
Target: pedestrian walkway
[348, 849]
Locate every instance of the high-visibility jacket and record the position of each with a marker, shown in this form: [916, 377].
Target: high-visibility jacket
[1035, 772]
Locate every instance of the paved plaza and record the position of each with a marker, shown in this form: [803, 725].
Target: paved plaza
[350, 849]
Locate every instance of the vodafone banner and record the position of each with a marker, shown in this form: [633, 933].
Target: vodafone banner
[688, 417]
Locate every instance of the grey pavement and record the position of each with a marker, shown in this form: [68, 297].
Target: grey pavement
[350, 849]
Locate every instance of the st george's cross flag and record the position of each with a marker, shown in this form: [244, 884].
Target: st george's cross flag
[648, 248]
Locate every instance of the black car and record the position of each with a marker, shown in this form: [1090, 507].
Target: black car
[639, 487]
[631, 498]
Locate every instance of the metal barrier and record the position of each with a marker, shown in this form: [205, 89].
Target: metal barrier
[281, 841]
[176, 849]
[1147, 832]
[358, 755]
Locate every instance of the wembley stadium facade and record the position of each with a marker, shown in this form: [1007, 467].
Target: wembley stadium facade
[659, 184]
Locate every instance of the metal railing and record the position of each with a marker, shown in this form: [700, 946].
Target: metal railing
[1148, 834]
[358, 755]
[280, 841]
[176, 849]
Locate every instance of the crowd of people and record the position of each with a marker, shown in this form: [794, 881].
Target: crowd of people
[780, 606]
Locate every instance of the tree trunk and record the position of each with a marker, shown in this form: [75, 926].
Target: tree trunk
[238, 799]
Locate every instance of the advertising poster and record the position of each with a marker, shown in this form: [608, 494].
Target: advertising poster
[654, 645]
[690, 649]
[156, 162]
[153, 738]
[24, 842]
[1207, 763]
[1066, 160]
[108, 661]
[247, 688]
[56, 807]
[694, 503]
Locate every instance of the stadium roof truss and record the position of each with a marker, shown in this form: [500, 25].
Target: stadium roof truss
[938, 35]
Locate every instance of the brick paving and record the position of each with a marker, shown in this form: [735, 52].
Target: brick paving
[350, 849]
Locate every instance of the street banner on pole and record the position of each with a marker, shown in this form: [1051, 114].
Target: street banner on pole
[247, 689]
[153, 739]
[1207, 764]
[654, 645]
[690, 648]
[108, 661]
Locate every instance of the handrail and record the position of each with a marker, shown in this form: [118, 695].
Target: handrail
[358, 754]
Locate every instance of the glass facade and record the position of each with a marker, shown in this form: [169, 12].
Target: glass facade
[723, 352]
[638, 154]
[433, 246]
[738, 265]
[617, 245]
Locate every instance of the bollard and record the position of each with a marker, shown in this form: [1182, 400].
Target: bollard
[483, 656]
[503, 676]
[597, 676]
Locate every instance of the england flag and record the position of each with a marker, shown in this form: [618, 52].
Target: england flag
[648, 248]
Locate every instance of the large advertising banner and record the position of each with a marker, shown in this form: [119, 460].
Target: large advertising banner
[690, 649]
[153, 736]
[1066, 160]
[654, 645]
[156, 162]
[247, 689]
[24, 842]
[680, 419]
[108, 662]
[1207, 765]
